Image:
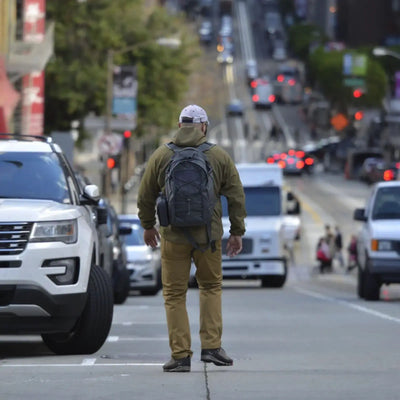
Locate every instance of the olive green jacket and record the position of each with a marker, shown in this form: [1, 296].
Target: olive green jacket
[226, 183]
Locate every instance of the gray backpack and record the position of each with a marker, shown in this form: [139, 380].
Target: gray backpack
[189, 191]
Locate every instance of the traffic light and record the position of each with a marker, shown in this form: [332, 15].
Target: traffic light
[357, 93]
[358, 116]
[127, 134]
[111, 162]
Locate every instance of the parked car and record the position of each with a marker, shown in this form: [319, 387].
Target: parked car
[235, 108]
[113, 254]
[378, 260]
[51, 281]
[144, 263]
[111, 249]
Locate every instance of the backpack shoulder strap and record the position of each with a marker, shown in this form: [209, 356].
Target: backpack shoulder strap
[205, 146]
[172, 146]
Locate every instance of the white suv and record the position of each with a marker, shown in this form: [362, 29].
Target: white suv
[50, 282]
[378, 245]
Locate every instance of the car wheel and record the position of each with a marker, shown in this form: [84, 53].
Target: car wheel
[273, 281]
[371, 286]
[92, 328]
[121, 290]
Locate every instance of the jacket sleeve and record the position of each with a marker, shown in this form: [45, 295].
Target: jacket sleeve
[149, 190]
[232, 189]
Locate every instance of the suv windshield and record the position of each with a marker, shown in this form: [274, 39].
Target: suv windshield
[32, 176]
[260, 201]
[387, 203]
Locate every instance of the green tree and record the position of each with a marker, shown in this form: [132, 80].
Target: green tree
[327, 67]
[76, 77]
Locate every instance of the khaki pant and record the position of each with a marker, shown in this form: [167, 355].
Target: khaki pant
[176, 261]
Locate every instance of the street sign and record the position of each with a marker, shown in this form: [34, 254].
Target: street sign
[351, 82]
[92, 122]
[110, 144]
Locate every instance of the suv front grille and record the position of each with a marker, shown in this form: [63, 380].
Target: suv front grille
[13, 237]
[247, 246]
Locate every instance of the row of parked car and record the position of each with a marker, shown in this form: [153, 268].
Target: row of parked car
[66, 257]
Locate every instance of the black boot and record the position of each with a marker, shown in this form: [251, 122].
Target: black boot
[177, 365]
[216, 356]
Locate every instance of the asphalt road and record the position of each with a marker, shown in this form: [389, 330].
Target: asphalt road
[312, 339]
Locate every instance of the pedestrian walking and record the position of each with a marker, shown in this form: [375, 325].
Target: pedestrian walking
[330, 241]
[181, 246]
[352, 253]
[338, 242]
[323, 255]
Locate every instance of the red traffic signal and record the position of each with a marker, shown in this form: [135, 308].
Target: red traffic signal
[111, 163]
[127, 134]
[359, 115]
[357, 93]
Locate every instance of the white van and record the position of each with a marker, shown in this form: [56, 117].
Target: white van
[266, 241]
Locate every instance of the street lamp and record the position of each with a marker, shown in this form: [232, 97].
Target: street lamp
[173, 43]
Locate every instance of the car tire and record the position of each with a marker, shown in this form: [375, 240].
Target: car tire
[371, 286]
[274, 281]
[122, 287]
[92, 328]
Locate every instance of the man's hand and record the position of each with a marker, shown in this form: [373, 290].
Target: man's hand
[234, 245]
[151, 237]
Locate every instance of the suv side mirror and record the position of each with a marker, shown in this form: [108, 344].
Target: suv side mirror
[91, 195]
[359, 214]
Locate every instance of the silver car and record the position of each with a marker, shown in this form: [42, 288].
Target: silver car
[144, 263]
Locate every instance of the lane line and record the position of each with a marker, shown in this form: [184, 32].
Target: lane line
[82, 365]
[356, 307]
[88, 361]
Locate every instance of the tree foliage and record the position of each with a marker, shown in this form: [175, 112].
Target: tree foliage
[327, 67]
[76, 77]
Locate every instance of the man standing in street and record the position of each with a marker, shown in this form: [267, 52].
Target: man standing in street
[177, 252]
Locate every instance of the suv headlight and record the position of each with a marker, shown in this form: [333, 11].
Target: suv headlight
[55, 231]
[381, 245]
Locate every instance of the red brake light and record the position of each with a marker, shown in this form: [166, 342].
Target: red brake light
[291, 152]
[291, 82]
[270, 160]
[300, 164]
[300, 154]
[282, 163]
[277, 156]
[127, 134]
[253, 84]
[283, 156]
[280, 78]
[388, 175]
[398, 165]
[309, 161]
[255, 97]
[290, 160]
[271, 98]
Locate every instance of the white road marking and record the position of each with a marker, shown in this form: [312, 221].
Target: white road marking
[113, 339]
[88, 361]
[357, 307]
[81, 365]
